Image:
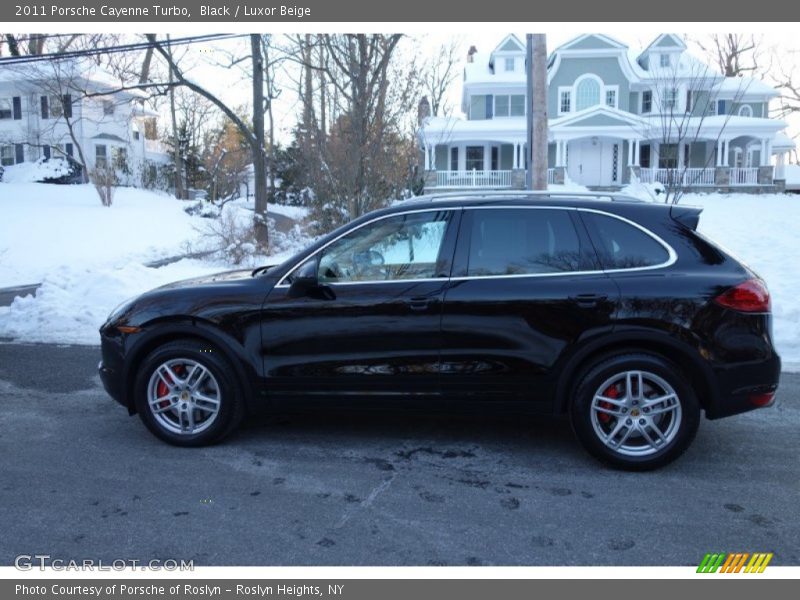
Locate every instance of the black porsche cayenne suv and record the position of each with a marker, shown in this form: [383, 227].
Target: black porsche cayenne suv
[613, 311]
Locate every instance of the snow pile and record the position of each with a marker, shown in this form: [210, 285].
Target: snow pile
[45, 227]
[30, 172]
[73, 302]
[792, 174]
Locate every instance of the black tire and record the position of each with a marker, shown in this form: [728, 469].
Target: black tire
[231, 402]
[590, 423]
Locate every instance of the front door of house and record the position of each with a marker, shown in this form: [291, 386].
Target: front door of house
[590, 162]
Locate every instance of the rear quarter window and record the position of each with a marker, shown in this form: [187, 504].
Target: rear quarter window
[621, 245]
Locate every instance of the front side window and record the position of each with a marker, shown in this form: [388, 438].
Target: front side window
[566, 101]
[621, 245]
[391, 249]
[474, 158]
[520, 241]
[587, 94]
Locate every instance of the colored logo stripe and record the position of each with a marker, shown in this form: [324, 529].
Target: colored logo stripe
[734, 562]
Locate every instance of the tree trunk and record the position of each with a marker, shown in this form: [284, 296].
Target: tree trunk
[539, 112]
[259, 162]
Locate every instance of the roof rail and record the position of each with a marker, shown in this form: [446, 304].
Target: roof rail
[474, 194]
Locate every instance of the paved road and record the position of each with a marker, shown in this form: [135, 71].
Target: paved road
[80, 479]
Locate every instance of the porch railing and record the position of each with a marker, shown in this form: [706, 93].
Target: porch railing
[678, 177]
[744, 175]
[551, 175]
[474, 178]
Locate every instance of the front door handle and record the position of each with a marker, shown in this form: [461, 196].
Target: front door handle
[418, 303]
[588, 300]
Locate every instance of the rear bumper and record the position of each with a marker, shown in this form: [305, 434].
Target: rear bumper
[744, 387]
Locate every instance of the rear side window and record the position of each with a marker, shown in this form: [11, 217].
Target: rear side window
[620, 245]
[511, 241]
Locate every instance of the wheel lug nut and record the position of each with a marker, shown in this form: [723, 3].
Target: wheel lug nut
[628, 422]
[647, 410]
[641, 421]
[624, 410]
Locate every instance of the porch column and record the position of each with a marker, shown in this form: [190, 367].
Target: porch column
[719, 153]
[516, 156]
[636, 152]
[427, 157]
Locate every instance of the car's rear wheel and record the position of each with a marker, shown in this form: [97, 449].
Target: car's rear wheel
[185, 394]
[635, 411]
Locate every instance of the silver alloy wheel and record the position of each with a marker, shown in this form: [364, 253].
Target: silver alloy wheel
[183, 396]
[636, 413]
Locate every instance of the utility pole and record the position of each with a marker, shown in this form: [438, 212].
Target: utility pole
[176, 142]
[536, 75]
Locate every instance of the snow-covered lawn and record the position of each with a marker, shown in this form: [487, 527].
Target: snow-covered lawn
[89, 258]
[47, 226]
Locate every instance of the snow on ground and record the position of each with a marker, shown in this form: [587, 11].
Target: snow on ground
[45, 226]
[74, 301]
[29, 172]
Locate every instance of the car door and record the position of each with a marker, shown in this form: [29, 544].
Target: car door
[526, 285]
[372, 323]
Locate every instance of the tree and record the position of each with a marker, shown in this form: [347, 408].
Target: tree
[680, 121]
[735, 54]
[438, 75]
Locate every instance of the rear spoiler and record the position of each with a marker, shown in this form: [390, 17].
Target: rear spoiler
[688, 216]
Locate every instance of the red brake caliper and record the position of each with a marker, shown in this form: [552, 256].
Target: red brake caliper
[162, 388]
[611, 392]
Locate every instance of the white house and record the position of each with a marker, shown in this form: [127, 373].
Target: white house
[660, 115]
[60, 108]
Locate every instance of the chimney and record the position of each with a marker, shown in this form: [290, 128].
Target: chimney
[423, 110]
[471, 54]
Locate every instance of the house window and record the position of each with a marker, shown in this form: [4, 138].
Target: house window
[647, 101]
[136, 135]
[688, 100]
[108, 107]
[119, 158]
[566, 100]
[6, 108]
[454, 158]
[100, 156]
[495, 158]
[670, 98]
[668, 156]
[6, 155]
[474, 158]
[46, 152]
[587, 94]
[56, 107]
[745, 111]
[644, 156]
[665, 60]
[70, 150]
[45, 107]
[721, 107]
[509, 64]
[509, 105]
[611, 98]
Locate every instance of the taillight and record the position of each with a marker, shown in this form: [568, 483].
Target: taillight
[751, 296]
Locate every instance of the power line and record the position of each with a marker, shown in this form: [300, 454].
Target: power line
[132, 47]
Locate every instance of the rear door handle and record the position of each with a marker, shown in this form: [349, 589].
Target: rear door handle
[418, 303]
[588, 300]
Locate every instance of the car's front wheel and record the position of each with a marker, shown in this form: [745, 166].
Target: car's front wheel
[186, 396]
[635, 411]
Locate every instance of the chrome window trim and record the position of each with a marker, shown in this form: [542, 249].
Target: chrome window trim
[672, 255]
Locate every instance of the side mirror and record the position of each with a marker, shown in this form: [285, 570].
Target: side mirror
[305, 278]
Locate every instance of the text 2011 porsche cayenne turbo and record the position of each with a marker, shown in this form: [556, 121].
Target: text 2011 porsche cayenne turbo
[613, 311]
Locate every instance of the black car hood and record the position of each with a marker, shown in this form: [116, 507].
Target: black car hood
[226, 276]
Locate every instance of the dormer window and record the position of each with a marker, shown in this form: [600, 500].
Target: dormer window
[587, 94]
[509, 64]
[665, 60]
